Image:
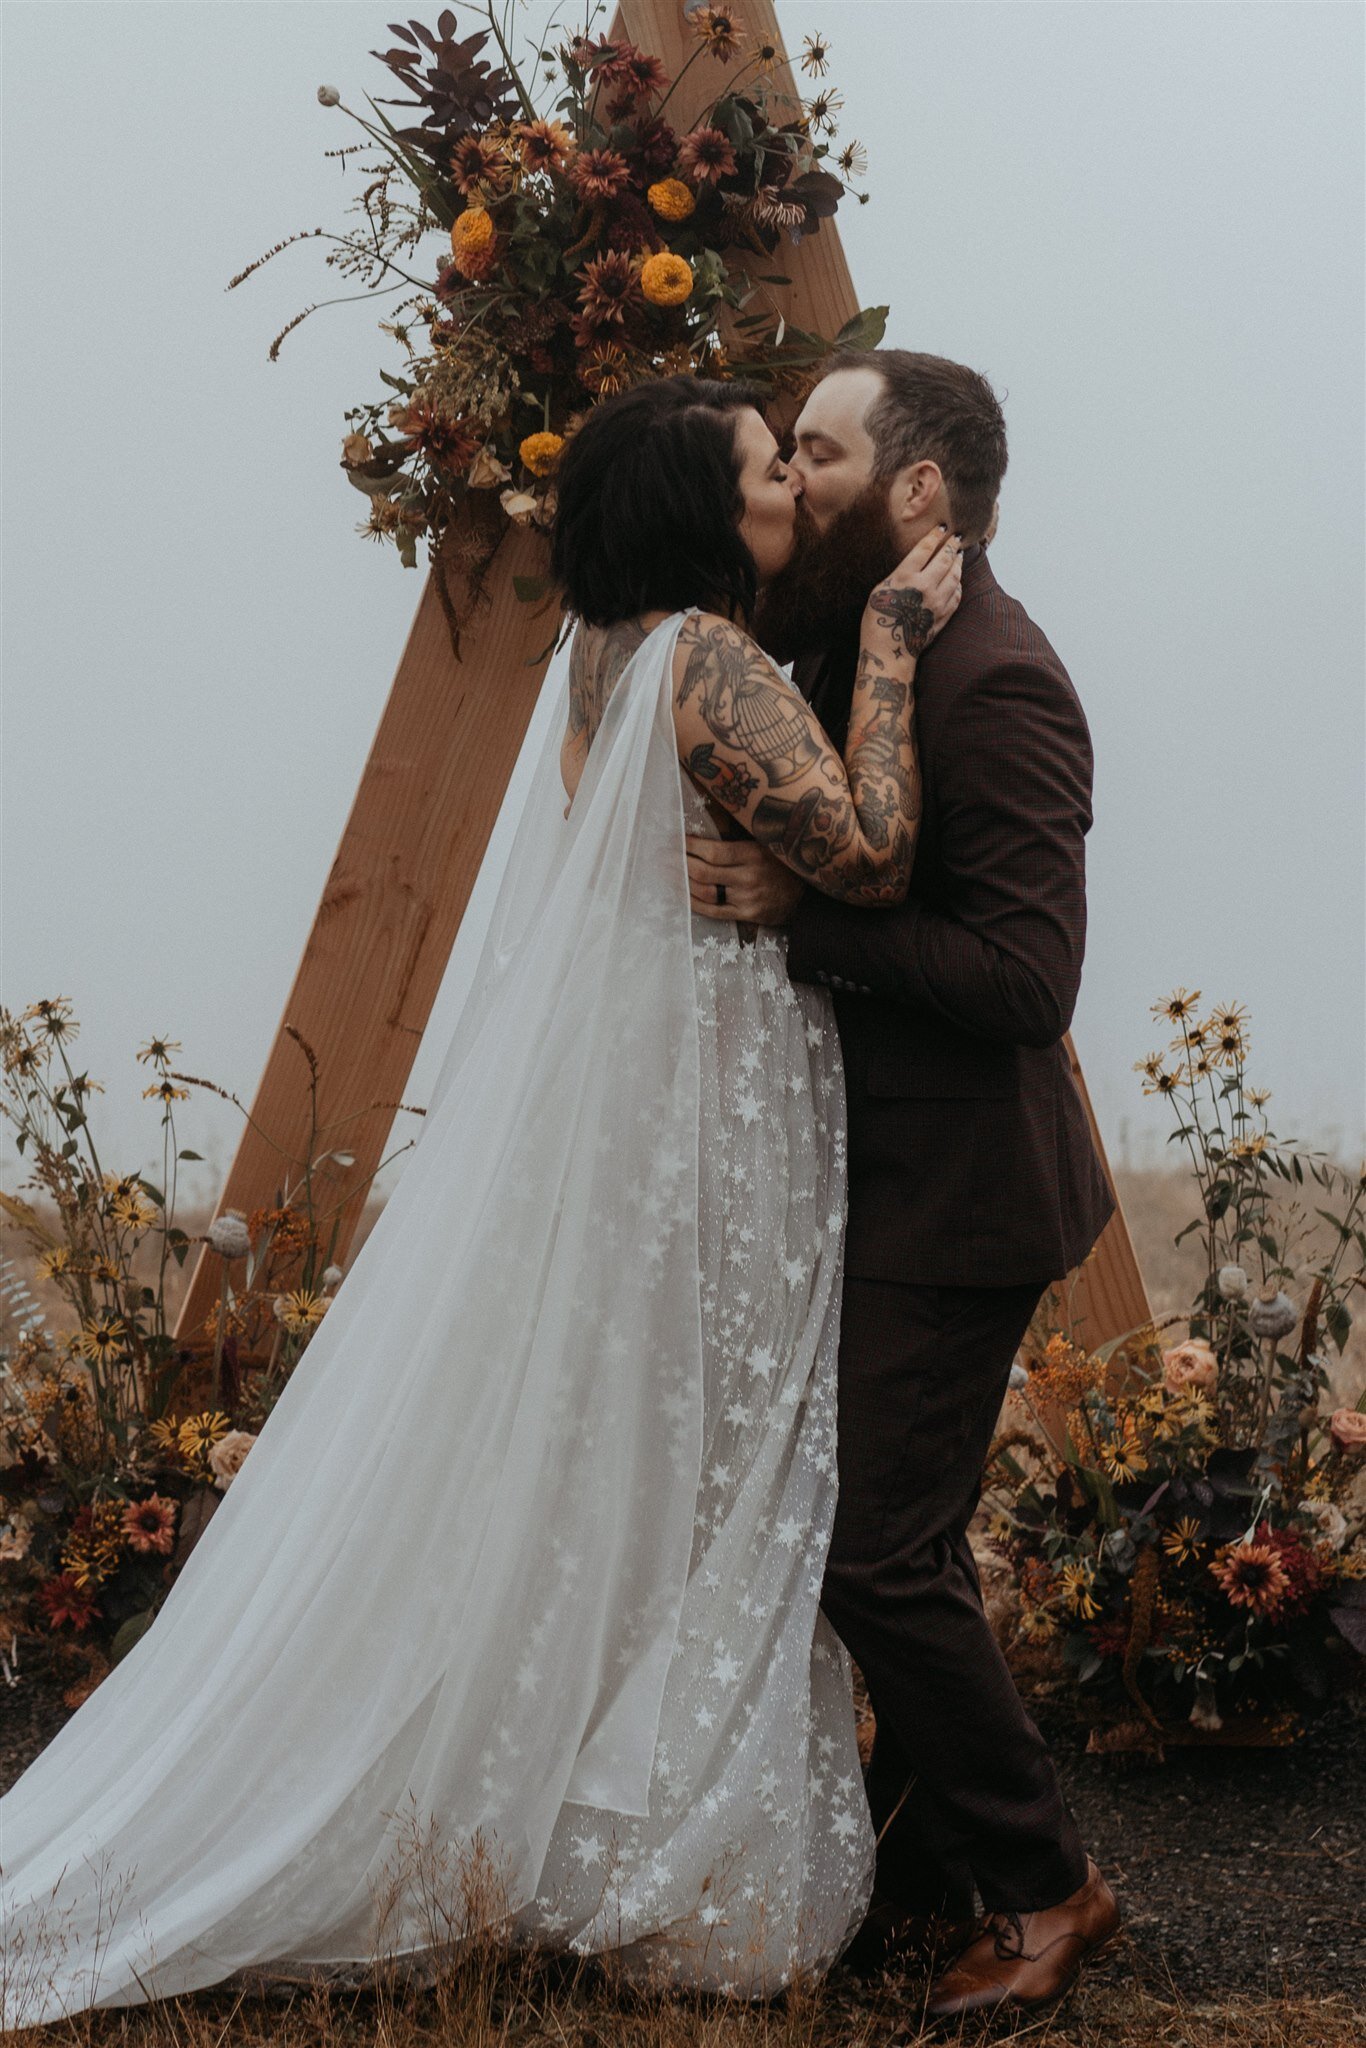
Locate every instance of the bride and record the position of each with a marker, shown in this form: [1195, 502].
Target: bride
[522, 1574]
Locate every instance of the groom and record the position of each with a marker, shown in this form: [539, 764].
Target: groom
[973, 1181]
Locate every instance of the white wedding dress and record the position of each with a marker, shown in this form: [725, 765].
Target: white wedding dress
[521, 1577]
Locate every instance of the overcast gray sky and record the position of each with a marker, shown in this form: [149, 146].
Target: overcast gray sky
[1141, 218]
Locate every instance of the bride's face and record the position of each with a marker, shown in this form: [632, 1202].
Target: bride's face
[770, 514]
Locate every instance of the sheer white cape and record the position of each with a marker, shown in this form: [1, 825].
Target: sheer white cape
[468, 1520]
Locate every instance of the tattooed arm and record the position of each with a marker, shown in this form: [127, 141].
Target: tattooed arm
[750, 741]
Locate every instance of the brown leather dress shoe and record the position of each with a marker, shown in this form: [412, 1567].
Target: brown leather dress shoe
[1022, 1962]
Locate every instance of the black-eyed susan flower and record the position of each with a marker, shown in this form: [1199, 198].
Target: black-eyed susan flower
[815, 57]
[300, 1310]
[1077, 1579]
[103, 1338]
[718, 29]
[1178, 1006]
[823, 111]
[1182, 1540]
[166, 1091]
[198, 1434]
[544, 145]
[158, 1050]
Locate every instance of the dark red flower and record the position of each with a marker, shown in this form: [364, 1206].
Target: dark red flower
[64, 1604]
[633, 227]
[656, 147]
[1110, 1638]
[1303, 1573]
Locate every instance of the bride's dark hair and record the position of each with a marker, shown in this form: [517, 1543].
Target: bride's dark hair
[648, 506]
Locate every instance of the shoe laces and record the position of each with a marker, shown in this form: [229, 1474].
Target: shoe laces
[1008, 1929]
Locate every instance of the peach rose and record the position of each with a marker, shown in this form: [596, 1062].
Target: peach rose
[228, 1456]
[1191, 1364]
[1347, 1426]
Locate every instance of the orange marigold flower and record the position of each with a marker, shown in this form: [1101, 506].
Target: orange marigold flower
[671, 199]
[666, 280]
[1252, 1576]
[474, 243]
[540, 452]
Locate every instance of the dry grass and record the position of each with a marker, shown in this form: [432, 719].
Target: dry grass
[500, 2002]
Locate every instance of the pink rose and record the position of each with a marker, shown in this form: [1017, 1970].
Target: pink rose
[1191, 1364]
[1347, 1426]
[228, 1456]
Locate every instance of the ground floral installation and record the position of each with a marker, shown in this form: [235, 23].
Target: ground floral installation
[1185, 1525]
[559, 239]
[116, 1439]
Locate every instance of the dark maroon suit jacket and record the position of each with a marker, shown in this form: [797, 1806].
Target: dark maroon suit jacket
[970, 1157]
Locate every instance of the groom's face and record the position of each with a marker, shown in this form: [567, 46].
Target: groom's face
[832, 461]
[847, 537]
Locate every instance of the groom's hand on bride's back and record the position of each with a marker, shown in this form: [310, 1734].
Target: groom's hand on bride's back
[753, 886]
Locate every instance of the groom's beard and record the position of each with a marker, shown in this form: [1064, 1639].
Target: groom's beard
[823, 589]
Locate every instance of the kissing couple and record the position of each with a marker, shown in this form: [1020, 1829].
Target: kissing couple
[663, 1385]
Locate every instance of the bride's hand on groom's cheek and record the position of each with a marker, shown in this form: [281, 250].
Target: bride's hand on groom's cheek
[755, 888]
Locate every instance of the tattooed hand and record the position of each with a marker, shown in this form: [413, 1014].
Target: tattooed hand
[749, 740]
[921, 594]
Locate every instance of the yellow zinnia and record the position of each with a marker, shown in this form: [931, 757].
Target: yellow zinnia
[540, 452]
[671, 199]
[666, 280]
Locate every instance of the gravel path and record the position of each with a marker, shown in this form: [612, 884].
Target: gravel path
[1237, 1870]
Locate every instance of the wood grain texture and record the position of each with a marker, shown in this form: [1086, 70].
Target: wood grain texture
[428, 797]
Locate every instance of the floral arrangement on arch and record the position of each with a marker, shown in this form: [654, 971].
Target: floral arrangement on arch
[558, 239]
[1187, 1526]
[116, 1438]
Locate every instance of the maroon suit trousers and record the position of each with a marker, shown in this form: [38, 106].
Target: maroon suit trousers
[961, 1780]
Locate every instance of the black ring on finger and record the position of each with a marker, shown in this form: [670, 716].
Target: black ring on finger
[720, 894]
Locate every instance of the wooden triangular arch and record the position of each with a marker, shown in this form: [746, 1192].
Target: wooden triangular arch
[422, 815]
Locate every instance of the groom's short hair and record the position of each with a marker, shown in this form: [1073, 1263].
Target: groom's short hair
[934, 410]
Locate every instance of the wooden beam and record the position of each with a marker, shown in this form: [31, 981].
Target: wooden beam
[429, 795]
[392, 903]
